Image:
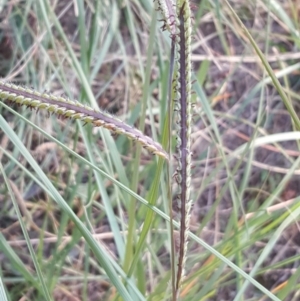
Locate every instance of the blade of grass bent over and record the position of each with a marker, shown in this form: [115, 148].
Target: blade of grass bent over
[270, 71]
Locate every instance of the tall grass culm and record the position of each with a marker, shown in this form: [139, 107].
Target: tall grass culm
[87, 214]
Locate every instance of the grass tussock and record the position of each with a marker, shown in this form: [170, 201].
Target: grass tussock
[84, 215]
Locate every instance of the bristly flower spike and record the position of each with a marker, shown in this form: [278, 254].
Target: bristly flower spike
[75, 110]
[167, 8]
[178, 21]
[184, 120]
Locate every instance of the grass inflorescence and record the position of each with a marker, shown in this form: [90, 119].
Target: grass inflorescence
[77, 111]
[184, 123]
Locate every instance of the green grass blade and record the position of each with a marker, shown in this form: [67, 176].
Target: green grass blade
[17, 262]
[132, 208]
[96, 248]
[269, 69]
[3, 296]
[26, 235]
